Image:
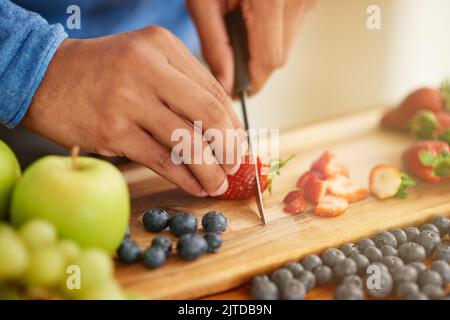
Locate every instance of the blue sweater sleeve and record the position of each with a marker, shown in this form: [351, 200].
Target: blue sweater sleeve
[27, 45]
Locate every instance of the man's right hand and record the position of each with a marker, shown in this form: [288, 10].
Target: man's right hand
[124, 95]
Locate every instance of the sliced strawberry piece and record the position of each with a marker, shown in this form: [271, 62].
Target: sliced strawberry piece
[315, 190]
[343, 187]
[328, 166]
[291, 196]
[297, 205]
[308, 175]
[331, 206]
[384, 181]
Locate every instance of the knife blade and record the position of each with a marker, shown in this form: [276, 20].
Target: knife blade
[242, 84]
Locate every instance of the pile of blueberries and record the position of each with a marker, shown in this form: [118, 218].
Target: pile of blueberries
[395, 257]
[182, 225]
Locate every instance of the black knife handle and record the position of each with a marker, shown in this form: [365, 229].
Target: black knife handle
[238, 37]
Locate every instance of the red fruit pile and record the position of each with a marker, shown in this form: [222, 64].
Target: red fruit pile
[327, 186]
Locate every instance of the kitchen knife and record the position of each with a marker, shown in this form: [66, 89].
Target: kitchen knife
[238, 37]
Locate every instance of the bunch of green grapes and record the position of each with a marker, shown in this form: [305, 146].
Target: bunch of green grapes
[35, 264]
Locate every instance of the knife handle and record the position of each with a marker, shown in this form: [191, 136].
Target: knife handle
[238, 37]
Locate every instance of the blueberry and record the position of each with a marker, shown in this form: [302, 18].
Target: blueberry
[164, 242]
[378, 266]
[443, 252]
[416, 296]
[392, 262]
[433, 292]
[214, 221]
[281, 275]
[294, 267]
[311, 262]
[154, 257]
[411, 251]
[348, 291]
[388, 251]
[191, 246]
[260, 278]
[400, 235]
[411, 233]
[379, 288]
[442, 223]
[429, 240]
[331, 256]
[264, 290]
[344, 268]
[361, 262]
[406, 288]
[373, 254]
[183, 223]
[430, 277]
[307, 278]
[323, 274]
[292, 289]
[430, 227]
[442, 267]
[419, 266]
[129, 251]
[349, 248]
[353, 279]
[155, 219]
[214, 242]
[405, 274]
[364, 244]
[385, 238]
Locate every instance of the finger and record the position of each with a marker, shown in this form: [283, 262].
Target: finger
[208, 17]
[264, 21]
[142, 148]
[191, 101]
[178, 136]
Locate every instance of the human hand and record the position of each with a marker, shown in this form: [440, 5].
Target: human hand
[271, 27]
[124, 95]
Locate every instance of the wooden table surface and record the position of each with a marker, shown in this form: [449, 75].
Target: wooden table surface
[250, 248]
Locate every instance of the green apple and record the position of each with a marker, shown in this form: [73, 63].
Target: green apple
[86, 199]
[9, 173]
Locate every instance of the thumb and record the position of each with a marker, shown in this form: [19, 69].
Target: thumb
[209, 19]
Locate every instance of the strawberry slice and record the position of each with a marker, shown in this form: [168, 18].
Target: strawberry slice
[315, 190]
[384, 181]
[308, 175]
[295, 202]
[343, 187]
[331, 206]
[328, 166]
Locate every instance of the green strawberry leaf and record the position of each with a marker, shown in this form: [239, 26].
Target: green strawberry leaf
[424, 125]
[275, 164]
[407, 182]
[426, 158]
[445, 90]
[441, 166]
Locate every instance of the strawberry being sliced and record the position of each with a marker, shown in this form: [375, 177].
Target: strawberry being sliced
[328, 166]
[386, 181]
[308, 175]
[242, 184]
[295, 202]
[429, 160]
[331, 206]
[315, 190]
[343, 187]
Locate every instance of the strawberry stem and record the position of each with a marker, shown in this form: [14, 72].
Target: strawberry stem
[424, 125]
[407, 182]
[275, 165]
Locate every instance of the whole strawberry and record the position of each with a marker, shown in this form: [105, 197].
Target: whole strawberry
[429, 160]
[242, 184]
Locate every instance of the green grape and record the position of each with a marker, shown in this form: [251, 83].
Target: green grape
[95, 267]
[47, 267]
[38, 233]
[108, 290]
[69, 249]
[13, 254]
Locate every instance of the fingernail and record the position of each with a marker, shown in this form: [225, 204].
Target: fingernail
[222, 189]
[235, 168]
[203, 194]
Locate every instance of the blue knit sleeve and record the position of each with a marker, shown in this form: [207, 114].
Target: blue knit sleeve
[27, 45]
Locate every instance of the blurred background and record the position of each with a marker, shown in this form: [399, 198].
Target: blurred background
[338, 66]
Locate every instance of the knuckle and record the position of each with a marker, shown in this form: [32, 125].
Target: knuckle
[164, 162]
[215, 88]
[112, 130]
[159, 32]
[214, 112]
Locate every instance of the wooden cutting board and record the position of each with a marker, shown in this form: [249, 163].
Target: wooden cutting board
[250, 248]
